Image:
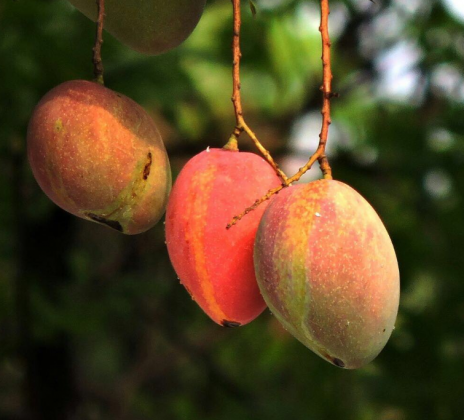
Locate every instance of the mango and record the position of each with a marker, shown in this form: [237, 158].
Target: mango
[98, 155]
[327, 269]
[215, 264]
[148, 26]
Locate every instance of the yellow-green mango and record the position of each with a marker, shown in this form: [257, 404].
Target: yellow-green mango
[148, 26]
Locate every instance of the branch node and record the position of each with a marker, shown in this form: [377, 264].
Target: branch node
[232, 143]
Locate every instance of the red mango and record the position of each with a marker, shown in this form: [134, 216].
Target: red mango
[328, 271]
[215, 264]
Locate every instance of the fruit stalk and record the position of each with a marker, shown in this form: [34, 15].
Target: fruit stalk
[97, 59]
[326, 89]
[241, 125]
[327, 95]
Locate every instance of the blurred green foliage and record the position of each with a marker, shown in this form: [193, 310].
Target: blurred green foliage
[94, 325]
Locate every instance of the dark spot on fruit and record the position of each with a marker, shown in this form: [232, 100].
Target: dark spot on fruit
[147, 167]
[384, 330]
[334, 360]
[230, 324]
[114, 224]
[338, 362]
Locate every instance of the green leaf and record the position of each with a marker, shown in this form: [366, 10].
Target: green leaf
[253, 8]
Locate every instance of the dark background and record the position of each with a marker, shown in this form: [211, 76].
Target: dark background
[94, 325]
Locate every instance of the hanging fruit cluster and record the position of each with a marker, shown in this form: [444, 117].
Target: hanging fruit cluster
[317, 255]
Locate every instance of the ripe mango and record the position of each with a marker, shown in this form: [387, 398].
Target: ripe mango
[215, 264]
[327, 269]
[98, 155]
[148, 26]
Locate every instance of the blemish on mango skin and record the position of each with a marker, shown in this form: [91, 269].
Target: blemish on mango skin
[58, 125]
[147, 167]
[334, 360]
[230, 324]
[114, 224]
[338, 362]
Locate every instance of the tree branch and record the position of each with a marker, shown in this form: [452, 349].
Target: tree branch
[327, 95]
[326, 88]
[241, 125]
[97, 59]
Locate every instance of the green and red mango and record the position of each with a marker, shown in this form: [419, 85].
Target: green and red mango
[328, 271]
[147, 26]
[215, 264]
[98, 155]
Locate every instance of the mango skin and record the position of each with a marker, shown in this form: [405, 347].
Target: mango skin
[327, 270]
[147, 26]
[98, 155]
[215, 264]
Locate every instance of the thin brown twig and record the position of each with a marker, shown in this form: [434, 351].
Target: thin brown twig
[326, 88]
[241, 125]
[327, 95]
[97, 59]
